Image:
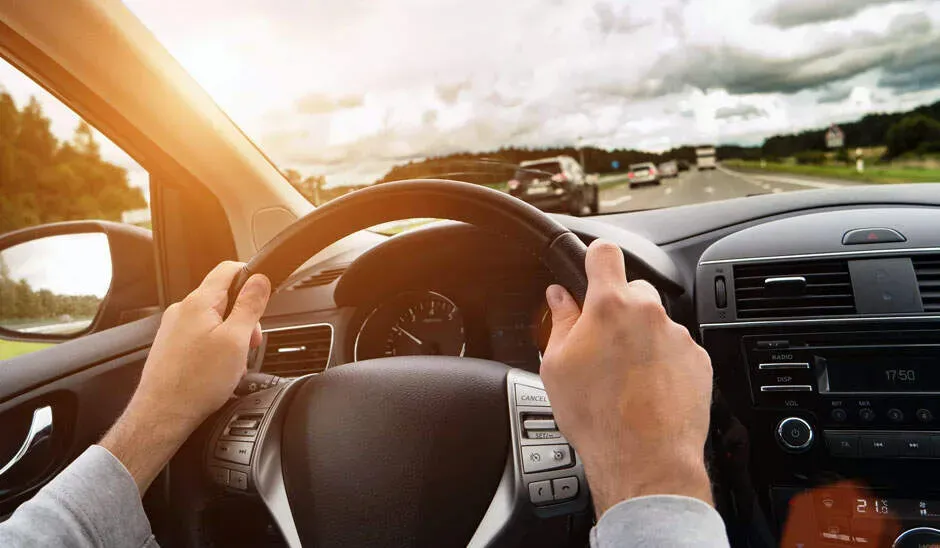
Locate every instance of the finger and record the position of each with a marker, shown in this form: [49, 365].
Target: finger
[250, 304]
[604, 267]
[565, 314]
[220, 277]
[256, 337]
[642, 289]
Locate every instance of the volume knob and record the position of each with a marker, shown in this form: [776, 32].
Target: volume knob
[794, 434]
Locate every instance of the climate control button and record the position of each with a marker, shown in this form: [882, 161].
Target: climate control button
[794, 434]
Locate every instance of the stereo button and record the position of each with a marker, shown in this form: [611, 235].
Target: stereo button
[839, 415]
[867, 414]
[842, 444]
[924, 415]
[878, 446]
[895, 415]
[794, 434]
[915, 445]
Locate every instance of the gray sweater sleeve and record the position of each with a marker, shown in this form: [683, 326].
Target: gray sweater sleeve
[93, 502]
[660, 520]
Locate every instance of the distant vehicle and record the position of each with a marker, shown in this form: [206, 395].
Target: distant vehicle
[643, 174]
[555, 184]
[683, 165]
[705, 158]
[669, 169]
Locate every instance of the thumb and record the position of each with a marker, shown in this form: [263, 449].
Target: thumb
[565, 314]
[250, 304]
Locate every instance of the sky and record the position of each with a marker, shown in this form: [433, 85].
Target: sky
[349, 88]
[68, 264]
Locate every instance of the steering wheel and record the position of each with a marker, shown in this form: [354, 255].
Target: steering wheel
[405, 451]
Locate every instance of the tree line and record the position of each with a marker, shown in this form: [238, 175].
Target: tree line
[44, 180]
[19, 302]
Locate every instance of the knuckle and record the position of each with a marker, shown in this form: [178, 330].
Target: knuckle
[649, 309]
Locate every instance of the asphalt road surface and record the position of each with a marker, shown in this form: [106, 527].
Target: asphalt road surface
[704, 186]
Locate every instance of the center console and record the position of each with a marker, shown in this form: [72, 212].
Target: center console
[824, 334]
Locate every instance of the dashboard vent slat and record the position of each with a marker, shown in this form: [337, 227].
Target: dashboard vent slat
[927, 271]
[822, 288]
[324, 277]
[295, 351]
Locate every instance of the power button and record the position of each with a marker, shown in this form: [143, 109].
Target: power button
[794, 434]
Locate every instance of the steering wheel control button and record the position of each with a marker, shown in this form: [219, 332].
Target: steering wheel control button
[238, 480]
[872, 236]
[219, 475]
[540, 492]
[878, 446]
[842, 444]
[234, 451]
[867, 414]
[794, 434]
[259, 400]
[533, 397]
[895, 415]
[539, 424]
[565, 488]
[539, 458]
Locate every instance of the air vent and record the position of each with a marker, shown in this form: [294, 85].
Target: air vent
[793, 290]
[295, 351]
[324, 277]
[927, 270]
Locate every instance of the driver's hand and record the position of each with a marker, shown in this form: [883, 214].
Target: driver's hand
[197, 359]
[629, 388]
[195, 363]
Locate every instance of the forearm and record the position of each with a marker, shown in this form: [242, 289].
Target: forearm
[145, 438]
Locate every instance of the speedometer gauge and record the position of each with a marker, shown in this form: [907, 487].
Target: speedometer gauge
[417, 323]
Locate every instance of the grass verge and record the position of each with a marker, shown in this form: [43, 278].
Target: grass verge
[12, 349]
[872, 174]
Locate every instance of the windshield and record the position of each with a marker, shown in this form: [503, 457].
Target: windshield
[747, 97]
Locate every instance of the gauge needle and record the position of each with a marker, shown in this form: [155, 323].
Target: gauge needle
[417, 341]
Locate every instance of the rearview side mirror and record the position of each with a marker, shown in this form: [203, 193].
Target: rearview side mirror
[60, 281]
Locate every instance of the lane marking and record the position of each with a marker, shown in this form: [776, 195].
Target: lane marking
[616, 201]
[668, 190]
[709, 190]
[779, 179]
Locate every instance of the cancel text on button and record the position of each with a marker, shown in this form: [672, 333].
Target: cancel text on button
[528, 395]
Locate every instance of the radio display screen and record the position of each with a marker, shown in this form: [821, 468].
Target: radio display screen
[882, 373]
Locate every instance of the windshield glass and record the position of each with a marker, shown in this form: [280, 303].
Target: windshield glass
[748, 97]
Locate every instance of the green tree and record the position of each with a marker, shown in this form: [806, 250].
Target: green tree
[911, 132]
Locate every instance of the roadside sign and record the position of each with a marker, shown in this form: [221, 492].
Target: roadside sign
[615, 165]
[835, 138]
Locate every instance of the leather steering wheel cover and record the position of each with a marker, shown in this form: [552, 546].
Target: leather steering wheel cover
[559, 249]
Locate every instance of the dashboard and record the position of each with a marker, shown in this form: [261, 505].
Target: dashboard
[820, 311]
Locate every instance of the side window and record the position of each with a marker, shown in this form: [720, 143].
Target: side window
[57, 173]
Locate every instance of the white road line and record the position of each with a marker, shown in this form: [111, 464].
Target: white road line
[616, 201]
[709, 190]
[668, 190]
[778, 179]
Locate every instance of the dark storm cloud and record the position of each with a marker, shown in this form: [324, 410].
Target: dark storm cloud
[787, 14]
[741, 110]
[917, 66]
[742, 71]
[318, 103]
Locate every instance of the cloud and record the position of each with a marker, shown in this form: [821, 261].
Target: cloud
[786, 14]
[449, 93]
[318, 103]
[741, 110]
[610, 20]
[834, 95]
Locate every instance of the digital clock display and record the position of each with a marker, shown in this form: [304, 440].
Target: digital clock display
[882, 373]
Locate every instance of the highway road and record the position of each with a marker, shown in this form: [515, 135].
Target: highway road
[703, 186]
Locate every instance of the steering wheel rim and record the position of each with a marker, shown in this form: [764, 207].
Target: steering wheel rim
[291, 462]
[557, 247]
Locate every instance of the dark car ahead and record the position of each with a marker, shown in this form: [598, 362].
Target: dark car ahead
[555, 184]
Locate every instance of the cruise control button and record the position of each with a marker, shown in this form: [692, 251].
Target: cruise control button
[565, 488]
[528, 395]
[538, 458]
[235, 451]
[540, 492]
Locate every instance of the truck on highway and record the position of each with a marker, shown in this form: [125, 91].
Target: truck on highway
[705, 158]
